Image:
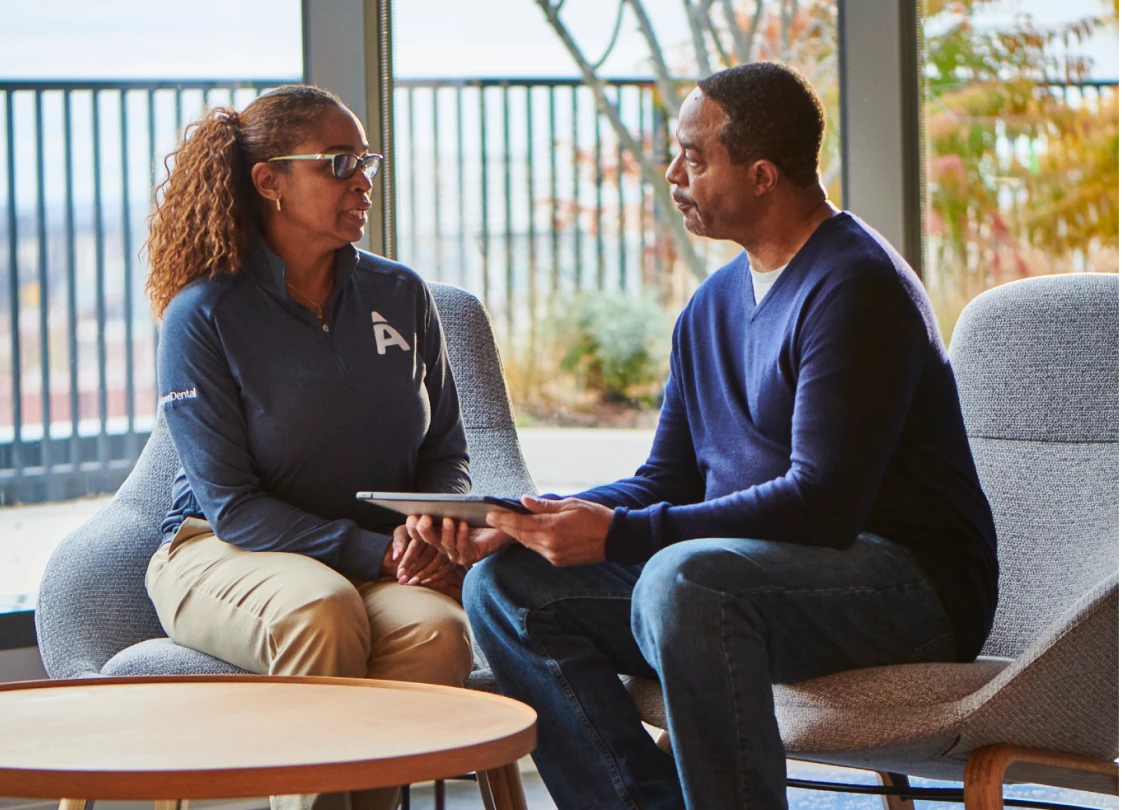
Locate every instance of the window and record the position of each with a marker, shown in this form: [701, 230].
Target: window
[513, 183]
[1021, 125]
[93, 98]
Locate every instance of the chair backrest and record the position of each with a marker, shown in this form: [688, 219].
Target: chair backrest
[92, 598]
[1036, 363]
[496, 464]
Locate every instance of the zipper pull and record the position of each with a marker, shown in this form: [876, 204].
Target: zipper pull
[324, 326]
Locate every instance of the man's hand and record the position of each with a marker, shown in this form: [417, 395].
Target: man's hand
[566, 532]
[457, 540]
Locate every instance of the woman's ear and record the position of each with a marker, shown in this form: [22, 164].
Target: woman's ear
[269, 182]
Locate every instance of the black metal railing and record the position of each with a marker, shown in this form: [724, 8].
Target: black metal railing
[515, 189]
[512, 188]
[77, 370]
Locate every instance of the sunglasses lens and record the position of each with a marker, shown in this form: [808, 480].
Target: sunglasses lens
[343, 166]
[371, 165]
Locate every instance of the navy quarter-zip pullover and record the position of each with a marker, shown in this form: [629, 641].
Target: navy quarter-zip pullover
[279, 420]
[826, 410]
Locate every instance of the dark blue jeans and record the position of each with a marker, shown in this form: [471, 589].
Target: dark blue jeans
[717, 622]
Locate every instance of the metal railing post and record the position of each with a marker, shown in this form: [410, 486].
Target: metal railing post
[14, 288]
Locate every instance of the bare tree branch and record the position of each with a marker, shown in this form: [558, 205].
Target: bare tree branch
[724, 55]
[747, 53]
[788, 17]
[695, 16]
[649, 172]
[741, 44]
[670, 97]
[705, 19]
[613, 39]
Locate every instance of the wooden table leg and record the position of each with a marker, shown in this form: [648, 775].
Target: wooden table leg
[502, 788]
[75, 804]
[485, 791]
[171, 804]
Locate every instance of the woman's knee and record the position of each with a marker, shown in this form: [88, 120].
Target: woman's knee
[329, 635]
[433, 647]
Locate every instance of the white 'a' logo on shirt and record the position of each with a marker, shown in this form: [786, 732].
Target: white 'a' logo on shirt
[386, 335]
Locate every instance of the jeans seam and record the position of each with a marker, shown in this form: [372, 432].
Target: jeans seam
[735, 703]
[770, 589]
[597, 595]
[556, 670]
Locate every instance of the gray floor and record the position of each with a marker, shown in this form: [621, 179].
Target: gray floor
[463, 795]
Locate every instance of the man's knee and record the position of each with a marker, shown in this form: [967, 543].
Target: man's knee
[327, 636]
[502, 581]
[682, 588]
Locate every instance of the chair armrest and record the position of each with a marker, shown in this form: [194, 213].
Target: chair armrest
[1061, 693]
[92, 598]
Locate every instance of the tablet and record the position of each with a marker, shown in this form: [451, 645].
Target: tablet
[469, 508]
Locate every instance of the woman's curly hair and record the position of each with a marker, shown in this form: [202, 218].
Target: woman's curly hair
[206, 206]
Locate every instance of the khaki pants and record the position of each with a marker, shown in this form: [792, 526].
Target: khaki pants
[287, 614]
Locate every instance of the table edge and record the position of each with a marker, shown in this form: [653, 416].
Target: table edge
[280, 779]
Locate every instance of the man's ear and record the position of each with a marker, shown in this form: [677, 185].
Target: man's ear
[764, 176]
[269, 182]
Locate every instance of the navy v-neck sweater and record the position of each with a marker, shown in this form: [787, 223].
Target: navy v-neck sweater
[828, 410]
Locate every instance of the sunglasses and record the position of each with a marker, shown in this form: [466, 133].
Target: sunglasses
[344, 164]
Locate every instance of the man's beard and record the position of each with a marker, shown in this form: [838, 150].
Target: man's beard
[693, 222]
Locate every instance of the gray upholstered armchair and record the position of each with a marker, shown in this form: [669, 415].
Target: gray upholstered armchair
[1036, 364]
[94, 616]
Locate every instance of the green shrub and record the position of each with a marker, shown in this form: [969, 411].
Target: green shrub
[616, 344]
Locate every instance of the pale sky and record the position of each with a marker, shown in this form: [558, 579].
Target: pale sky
[117, 39]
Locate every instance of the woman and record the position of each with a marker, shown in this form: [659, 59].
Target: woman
[295, 371]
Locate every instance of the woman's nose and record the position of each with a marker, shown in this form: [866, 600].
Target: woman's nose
[362, 181]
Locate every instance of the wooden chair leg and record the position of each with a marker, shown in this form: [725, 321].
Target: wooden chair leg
[987, 766]
[502, 788]
[984, 779]
[76, 804]
[895, 780]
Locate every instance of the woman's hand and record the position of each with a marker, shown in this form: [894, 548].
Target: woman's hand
[458, 541]
[448, 581]
[413, 561]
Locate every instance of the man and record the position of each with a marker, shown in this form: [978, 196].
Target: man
[809, 505]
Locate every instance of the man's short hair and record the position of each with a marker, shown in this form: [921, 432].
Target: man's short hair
[773, 114]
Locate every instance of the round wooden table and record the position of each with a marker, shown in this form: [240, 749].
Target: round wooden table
[206, 737]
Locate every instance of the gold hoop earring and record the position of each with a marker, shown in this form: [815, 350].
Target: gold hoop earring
[278, 201]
